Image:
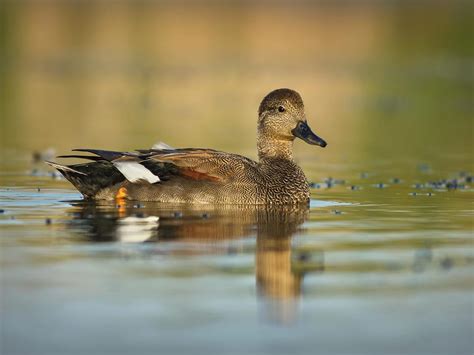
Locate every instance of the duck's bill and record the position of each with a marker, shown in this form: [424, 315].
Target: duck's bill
[303, 131]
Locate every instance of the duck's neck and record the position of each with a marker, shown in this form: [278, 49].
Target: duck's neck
[269, 147]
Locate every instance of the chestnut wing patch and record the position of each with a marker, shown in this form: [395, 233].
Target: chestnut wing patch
[203, 164]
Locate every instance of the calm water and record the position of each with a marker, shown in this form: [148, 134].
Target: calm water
[381, 262]
[367, 268]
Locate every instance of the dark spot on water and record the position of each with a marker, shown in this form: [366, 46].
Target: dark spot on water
[395, 180]
[138, 205]
[451, 185]
[418, 186]
[304, 257]
[177, 214]
[2, 211]
[380, 185]
[205, 216]
[118, 206]
[430, 194]
[36, 156]
[48, 221]
[337, 212]
[468, 179]
[413, 194]
[447, 263]
[140, 215]
[39, 189]
[354, 187]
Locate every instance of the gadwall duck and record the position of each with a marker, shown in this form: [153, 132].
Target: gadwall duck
[194, 175]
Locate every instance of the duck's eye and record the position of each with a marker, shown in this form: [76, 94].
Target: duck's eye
[281, 109]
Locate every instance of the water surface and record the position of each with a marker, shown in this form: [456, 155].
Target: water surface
[365, 268]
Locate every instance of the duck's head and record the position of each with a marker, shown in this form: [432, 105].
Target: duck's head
[281, 117]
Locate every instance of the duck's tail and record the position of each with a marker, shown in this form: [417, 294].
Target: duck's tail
[90, 178]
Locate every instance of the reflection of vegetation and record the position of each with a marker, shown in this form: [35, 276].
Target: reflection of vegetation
[7, 49]
[422, 83]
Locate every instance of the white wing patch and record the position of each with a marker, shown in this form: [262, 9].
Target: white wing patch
[134, 171]
[162, 146]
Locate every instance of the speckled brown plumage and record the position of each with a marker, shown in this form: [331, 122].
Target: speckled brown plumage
[209, 176]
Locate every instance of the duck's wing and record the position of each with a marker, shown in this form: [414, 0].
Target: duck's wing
[201, 164]
[153, 166]
[129, 164]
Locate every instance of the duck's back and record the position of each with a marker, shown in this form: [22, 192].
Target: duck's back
[187, 176]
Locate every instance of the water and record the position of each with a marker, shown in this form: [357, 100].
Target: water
[382, 260]
[366, 270]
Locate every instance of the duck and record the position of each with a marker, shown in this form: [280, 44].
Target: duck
[202, 175]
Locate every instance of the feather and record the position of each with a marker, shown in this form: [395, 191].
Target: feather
[162, 146]
[63, 168]
[88, 157]
[134, 171]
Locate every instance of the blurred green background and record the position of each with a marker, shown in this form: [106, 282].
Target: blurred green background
[388, 84]
[379, 78]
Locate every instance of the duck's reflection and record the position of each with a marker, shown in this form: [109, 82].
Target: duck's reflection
[278, 273]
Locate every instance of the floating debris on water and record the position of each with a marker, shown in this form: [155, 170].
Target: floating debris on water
[327, 183]
[381, 185]
[330, 181]
[395, 181]
[48, 221]
[421, 194]
[205, 216]
[418, 186]
[177, 214]
[336, 212]
[354, 187]
[2, 211]
[447, 263]
[320, 185]
[453, 184]
[39, 189]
